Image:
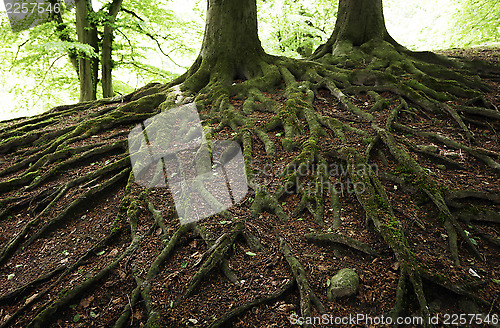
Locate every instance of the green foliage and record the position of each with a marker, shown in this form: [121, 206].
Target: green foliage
[476, 22]
[295, 28]
[149, 40]
[421, 25]
[35, 74]
[61, 47]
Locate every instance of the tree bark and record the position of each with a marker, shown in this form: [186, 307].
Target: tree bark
[358, 21]
[107, 49]
[231, 46]
[88, 67]
[64, 35]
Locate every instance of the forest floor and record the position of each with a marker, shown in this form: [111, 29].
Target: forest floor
[259, 273]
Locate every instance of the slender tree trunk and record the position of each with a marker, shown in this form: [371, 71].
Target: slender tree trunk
[358, 21]
[231, 47]
[64, 35]
[107, 49]
[88, 67]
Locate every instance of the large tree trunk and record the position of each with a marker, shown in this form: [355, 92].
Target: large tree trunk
[88, 67]
[231, 46]
[358, 21]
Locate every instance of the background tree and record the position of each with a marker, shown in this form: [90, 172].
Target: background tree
[143, 50]
[475, 23]
[295, 28]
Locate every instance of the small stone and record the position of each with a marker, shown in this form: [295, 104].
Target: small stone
[193, 321]
[344, 283]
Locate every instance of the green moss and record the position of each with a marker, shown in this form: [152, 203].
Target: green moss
[368, 140]
[381, 203]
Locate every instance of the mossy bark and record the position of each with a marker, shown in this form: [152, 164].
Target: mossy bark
[88, 67]
[231, 47]
[358, 21]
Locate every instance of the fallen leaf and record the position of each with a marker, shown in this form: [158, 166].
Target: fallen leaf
[286, 307]
[473, 273]
[138, 315]
[86, 301]
[122, 274]
[113, 252]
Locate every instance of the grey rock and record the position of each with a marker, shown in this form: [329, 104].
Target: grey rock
[344, 283]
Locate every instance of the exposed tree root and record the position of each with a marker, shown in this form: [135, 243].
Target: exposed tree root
[66, 270]
[216, 256]
[226, 319]
[308, 297]
[42, 318]
[342, 240]
[143, 288]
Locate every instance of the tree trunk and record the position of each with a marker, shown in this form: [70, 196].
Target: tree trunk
[107, 49]
[88, 67]
[358, 21]
[231, 46]
[64, 35]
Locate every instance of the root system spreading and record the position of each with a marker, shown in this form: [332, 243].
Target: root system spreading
[375, 159]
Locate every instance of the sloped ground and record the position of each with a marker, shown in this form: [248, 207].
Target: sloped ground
[85, 246]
